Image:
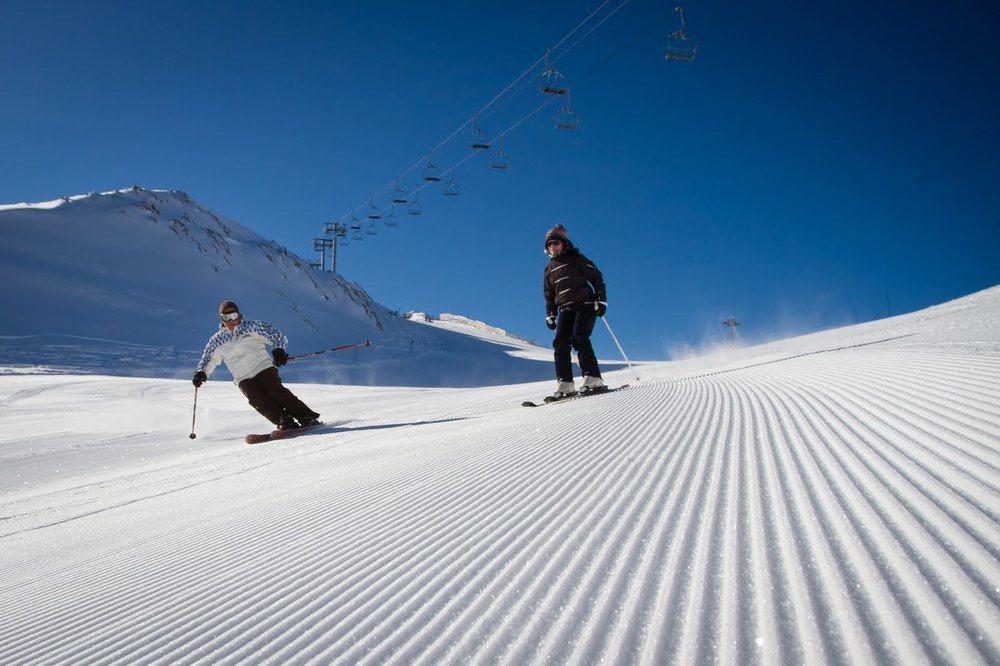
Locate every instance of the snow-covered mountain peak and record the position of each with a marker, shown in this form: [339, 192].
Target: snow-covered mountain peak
[136, 276]
[468, 326]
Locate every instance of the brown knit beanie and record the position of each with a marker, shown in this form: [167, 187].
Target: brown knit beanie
[558, 231]
[228, 306]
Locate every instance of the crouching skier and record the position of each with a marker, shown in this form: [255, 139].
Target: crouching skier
[241, 345]
[575, 297]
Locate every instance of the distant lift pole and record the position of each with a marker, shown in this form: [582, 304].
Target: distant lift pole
[323, 245]
[732, 324]
[334, 231]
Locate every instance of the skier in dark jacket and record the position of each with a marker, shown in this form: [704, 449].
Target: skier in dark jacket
[575, 297]
[241, 345]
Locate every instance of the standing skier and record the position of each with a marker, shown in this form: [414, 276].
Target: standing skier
[241, 345]
[575, 297]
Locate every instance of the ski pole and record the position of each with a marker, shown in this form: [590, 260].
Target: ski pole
[366, 343]
[194, 413]
[619, 345]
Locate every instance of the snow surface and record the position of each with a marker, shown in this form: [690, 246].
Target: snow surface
[830, 498]
[129, 282]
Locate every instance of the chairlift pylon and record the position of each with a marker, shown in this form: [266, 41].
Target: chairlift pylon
[414, 207]
[499, 160]
[477, 137]
[678, 45]
[450, 188]
[550, 81]
[432, 174]
[398, 195]
[565, 117]
[391, 220]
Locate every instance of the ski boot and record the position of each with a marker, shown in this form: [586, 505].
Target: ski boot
[563, 390]
[308, 422]
[593, 385]
[287, 423]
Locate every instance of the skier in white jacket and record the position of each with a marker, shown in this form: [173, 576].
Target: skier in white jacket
[241, 345]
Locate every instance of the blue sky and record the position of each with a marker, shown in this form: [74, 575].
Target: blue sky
[815, 157]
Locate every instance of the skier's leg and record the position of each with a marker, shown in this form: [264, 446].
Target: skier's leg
[562, 345]
[278, 392]
[261, 401]
[582, 328]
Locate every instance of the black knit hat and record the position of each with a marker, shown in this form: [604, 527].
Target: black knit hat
[558, 232]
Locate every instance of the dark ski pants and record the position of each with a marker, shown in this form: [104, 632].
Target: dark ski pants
[268, 396]
[573, 329]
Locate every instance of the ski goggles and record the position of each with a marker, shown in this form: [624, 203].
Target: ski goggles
[230, 316]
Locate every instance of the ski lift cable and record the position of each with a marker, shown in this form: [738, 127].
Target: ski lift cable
[493, 101]
[571, 46]
[525, 118]
[477, 153]
[592, 29]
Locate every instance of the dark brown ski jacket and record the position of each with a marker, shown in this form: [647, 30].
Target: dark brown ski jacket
[570, 280]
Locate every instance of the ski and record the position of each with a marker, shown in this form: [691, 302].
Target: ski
[587, 394]
[279, 434]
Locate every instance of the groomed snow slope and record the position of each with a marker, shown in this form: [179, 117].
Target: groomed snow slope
[837, 506]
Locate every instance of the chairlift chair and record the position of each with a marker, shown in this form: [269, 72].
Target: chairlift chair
[371, 228]
[398, 195]
[432, 174]
[414, 207]
[678, 45]
[373, 211]
[356, 232]
[450, 188]
[477, 137]
[342, 241]
[391, 220]
[498, 160]
[550, 81]
[566, 118]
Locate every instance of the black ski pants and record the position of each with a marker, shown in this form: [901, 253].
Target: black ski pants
[269, 396]
[573, 329]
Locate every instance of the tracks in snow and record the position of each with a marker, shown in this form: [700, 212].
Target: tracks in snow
[840, 507]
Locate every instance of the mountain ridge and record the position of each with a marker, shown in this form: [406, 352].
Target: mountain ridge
[149, 267]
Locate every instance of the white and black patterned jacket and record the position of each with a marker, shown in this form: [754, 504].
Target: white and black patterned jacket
[243, 349]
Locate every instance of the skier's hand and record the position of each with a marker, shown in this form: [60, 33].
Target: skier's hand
[199, 378]
[550, 321]
[600, 307]
[280, 356]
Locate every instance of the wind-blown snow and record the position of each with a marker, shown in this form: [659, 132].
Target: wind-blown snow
[830, 498]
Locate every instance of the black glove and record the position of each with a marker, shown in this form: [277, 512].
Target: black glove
[600, 307]
[199, 378]
[279, 356]
[550, 321]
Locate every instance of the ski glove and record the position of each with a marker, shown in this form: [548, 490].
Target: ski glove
[199, 378]
[600, 307]
[279, 356]
[550, 321]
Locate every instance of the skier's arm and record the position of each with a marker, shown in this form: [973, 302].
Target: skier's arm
[550, 295]
[210, 357]
[270, 334]
[593, 275]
